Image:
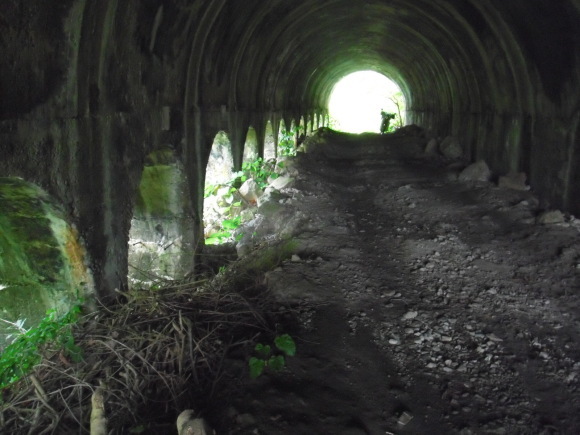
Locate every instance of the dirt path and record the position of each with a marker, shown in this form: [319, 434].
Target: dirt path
[420, 305]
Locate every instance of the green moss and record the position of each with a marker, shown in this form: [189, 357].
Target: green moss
[35, 273]
[154, 195]
[160, 191]
[272, 256]
[165, 156]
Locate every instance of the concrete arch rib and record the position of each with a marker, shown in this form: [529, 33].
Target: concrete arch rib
[197, 134]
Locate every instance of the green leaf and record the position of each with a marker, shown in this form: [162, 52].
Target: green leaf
[217, 238]
[263, 350]
[25, 352]
[138, 429]
[231, 224]
[256, 367]
[286, 344]
[276, 363]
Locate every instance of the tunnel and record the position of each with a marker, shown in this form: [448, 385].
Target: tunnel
[91, 90]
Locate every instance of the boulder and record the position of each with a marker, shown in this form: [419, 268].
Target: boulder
[412, 130]
[250, 191]
[478, 171]
[431, 147]
[513, 180]
[270, 195]
[451, 148]
[282, 182]
[551, 217]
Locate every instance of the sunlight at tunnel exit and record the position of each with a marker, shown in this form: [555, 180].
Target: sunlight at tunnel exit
[357, 100]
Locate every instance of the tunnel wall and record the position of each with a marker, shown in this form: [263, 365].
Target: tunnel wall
[88, 89]
[516, 103]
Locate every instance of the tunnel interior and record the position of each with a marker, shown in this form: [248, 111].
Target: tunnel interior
[117, 117]
[90, 91]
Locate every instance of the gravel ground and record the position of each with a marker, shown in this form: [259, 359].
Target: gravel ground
[420, 304]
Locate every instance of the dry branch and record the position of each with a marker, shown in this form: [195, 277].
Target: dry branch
[162, 349]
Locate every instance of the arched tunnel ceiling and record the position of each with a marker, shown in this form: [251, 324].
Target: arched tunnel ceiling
[314, 46]
[300, 49]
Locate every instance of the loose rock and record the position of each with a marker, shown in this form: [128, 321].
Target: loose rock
[451, 148]
[250, 191]
[551, 217]
[513, 180]
[478, 171]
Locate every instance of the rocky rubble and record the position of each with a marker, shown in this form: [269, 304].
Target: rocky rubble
[421, 304]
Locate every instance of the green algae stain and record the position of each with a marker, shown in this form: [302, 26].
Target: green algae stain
[154, 191]
[159, 220]
[40, 267]
[161, 187]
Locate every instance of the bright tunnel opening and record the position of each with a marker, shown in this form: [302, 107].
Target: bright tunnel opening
[357, 100]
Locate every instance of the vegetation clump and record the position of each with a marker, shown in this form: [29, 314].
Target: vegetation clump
[267, 359]
[262, 172]
[52, 336]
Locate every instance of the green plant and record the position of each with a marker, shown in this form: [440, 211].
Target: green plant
[52, 334]
[228, 226]
[259, 170]
[286, 145]
[332, 123]
[265, 359]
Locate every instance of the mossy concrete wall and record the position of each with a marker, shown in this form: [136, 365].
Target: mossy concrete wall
[161, 231]
[42, 262]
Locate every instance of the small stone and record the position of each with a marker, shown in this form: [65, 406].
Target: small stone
[431, 147]
[494, 337]
[245, 420]
[462, 368]
[410, 315]
[478, 171]
[513, 180]
[405, 418]
[451, 148]
[394, 341]
[295, 258]
[550, 217]
[231, 412]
